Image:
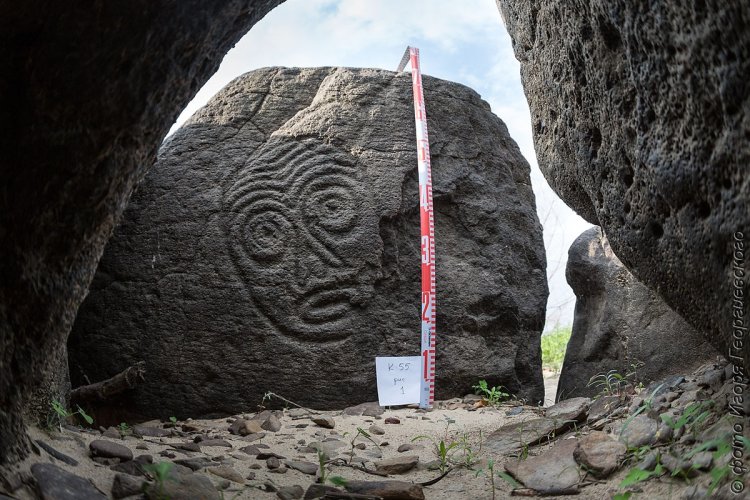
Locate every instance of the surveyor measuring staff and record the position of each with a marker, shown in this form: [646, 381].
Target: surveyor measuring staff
[427, 387]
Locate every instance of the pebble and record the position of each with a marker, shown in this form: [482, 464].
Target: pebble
[599, 453]
[58, 484]
[304, 467]
[392, 420]
[638, 431]
[273, 463]
[216, 442]
[108, 449]
[378, 431]
[397, 465]
[325, 422]
[57, 454]
[272, 424]
[226, 473]
[405, 447]
[125, 486]
[387, 489]
[574, 409]
[552, 472]
[290, 492]
[195, 463]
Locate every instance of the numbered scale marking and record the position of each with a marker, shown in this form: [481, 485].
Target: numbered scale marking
[427, 387]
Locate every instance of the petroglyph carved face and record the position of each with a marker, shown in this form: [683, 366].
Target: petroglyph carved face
[303, 234]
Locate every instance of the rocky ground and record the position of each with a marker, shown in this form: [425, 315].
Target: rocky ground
[678, 431]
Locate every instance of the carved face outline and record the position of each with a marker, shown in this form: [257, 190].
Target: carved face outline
[301, 228]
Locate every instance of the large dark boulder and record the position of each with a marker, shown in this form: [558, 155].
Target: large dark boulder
[621, 325]
[87, 93]
[275, 247]
[641, 119]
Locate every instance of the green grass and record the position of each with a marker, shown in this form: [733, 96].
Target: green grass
[553, 347]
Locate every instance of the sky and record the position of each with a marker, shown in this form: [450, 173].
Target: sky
[464, 42]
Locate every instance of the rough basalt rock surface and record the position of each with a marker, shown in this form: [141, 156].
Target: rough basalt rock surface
[275, 247]
[87, 93]
[619, 323]
[641, 119]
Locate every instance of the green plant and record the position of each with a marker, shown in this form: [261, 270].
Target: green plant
[173, 420]
[63, 413]
[468, 456]
[501, 474]
[442, 451]
[554, 345]
[323, 475]
[159, 471]
[693, 417]
[493, 395]
[613, 382]
[364, 434]
[124, 428]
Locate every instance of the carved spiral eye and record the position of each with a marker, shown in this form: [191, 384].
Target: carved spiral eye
[266, 235]
[334, 209]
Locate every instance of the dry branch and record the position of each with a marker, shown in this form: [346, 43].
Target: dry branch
[126, 379]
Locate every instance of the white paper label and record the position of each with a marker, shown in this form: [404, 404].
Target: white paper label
[398, 379]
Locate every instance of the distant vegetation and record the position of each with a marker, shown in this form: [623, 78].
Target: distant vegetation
[553, 347]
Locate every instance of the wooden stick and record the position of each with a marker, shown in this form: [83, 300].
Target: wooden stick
[126, 379]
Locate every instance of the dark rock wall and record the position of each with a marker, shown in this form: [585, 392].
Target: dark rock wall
[275, 244]
[620, 323]
[641, 120]
[87, 92]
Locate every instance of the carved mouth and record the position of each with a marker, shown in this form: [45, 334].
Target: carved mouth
[326, 306]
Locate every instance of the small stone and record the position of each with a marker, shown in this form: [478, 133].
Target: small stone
[250, 476]
[57, 454]
[397, 465]
[250, 450]
[316, 490]
[108, 449]
[167, 453]
[602, 407]
[552, 472]
[273, 463]
[516, 410]
[290, 492]
[58, 484]
[187, 446]
[125, 485]
[255, 466]
[195, 463]
[141, 446]
[638, 431]
[678, 466]
[365, 409]
[269, 454]
[702, 460]
[574, 410]
[405, 447]
[182, 486]
[392, 420]
[325, 422]
[387, 489]
[216, 442]
[281, 470]
[132, 468]
[360, 446]
[223, 484]
[304, 467]
[226, 473]
[599, 453]
[106, 461]
[148, 431]
[272, 424]
[378, 431]
[111, 433]
[190, 428]
[250, 427]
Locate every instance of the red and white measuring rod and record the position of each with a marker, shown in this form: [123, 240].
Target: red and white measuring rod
[427, 389]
